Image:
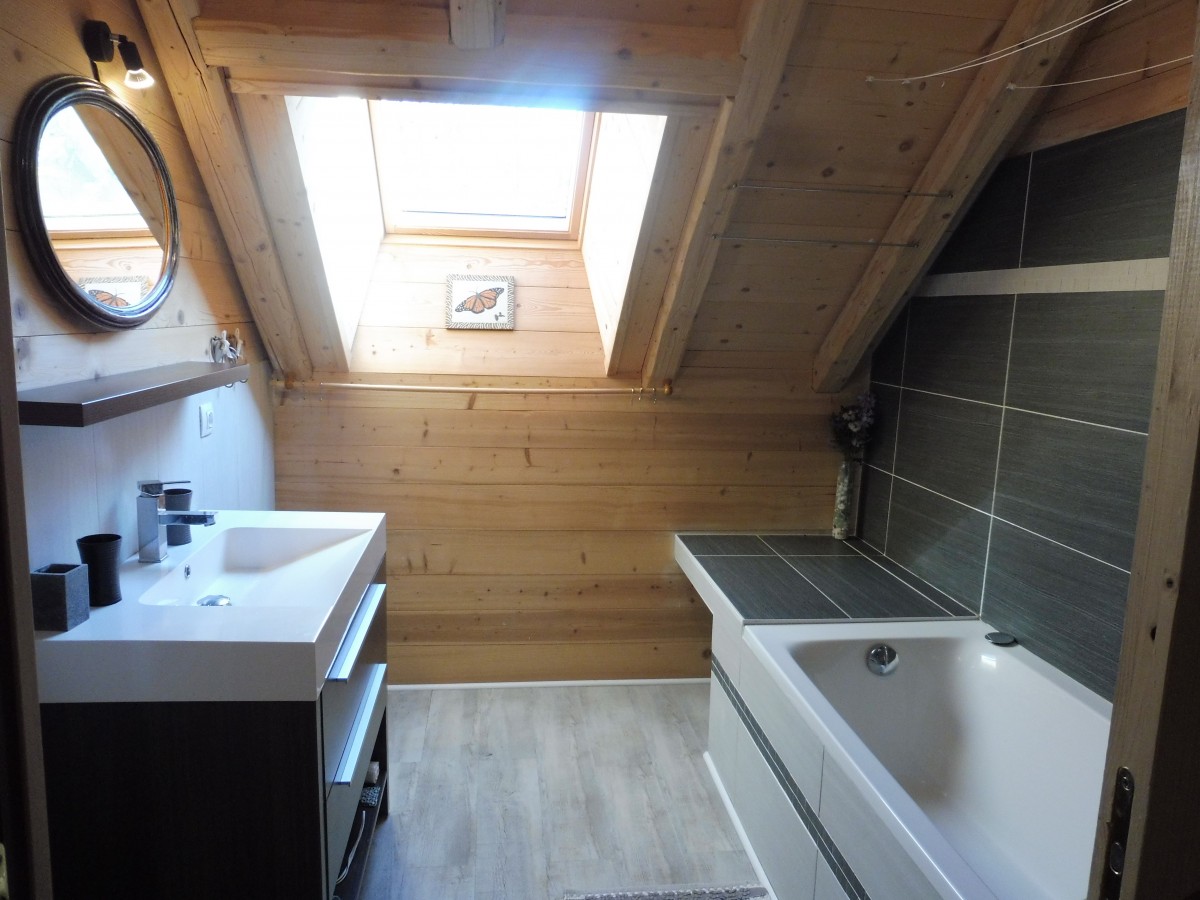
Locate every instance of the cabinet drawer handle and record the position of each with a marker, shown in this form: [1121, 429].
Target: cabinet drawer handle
[343, 663]
[362, 728]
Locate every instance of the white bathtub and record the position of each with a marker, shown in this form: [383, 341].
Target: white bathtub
[985, 763]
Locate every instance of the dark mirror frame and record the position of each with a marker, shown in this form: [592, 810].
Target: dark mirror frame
[38, 109]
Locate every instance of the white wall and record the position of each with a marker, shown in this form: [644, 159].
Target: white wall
[83, 480]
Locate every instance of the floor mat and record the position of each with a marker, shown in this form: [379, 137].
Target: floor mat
[735, 892]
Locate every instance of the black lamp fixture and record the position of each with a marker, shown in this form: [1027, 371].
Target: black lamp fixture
[99, 41]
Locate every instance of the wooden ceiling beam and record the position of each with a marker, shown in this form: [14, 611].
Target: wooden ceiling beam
[1155, 716]
[375, 37]
[211, 125]
[456, 90]
[769, 28]
[987, 123]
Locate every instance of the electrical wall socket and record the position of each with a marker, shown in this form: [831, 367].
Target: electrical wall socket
[207, 419]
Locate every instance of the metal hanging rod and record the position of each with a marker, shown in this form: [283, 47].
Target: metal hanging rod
[638, 392]
[886, 192]
[768, 240]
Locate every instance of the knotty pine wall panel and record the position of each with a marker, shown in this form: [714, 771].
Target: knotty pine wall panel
[1135, 37]
[402, 326]
[530, 537]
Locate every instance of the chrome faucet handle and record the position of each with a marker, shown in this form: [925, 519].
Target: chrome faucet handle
[155, 488]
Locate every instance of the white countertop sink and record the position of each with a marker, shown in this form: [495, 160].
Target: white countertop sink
[262, 566]
[293, 581]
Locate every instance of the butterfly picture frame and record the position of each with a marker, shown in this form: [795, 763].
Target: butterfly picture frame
[116, 291]
[480, 302]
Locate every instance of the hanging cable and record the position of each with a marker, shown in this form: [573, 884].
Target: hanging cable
[1011, 50]
[1039, 87]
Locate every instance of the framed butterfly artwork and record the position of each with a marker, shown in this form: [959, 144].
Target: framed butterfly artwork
[116, 291]
[480, 301]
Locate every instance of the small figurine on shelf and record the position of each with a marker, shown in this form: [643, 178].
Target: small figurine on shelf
[222, 348]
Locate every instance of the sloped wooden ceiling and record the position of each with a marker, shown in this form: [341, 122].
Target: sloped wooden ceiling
[826, 189]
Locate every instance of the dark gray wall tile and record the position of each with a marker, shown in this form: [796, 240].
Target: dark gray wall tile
[1086, 356]
[807, 545]
[1107, 197]
[939, 540]
[989, 236]
[1064, 607]
[863, 589]
[949, 446]
[873, 513]
[725, 545]
[882, 449]
[945, 601]
[958, 346]
[887, 362]
[1076, 484]
[766, 587]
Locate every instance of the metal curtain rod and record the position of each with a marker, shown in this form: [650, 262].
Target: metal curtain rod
[849, 189]
[768, 240]
[638, 392]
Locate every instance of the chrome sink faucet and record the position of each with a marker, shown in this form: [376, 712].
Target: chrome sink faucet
[152, 520]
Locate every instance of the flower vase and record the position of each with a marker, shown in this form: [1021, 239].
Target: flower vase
[845, 500]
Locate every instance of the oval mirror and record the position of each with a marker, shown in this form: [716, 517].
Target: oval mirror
[95, 204]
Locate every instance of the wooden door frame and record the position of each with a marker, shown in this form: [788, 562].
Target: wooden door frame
[23, 824]
[1156, 710]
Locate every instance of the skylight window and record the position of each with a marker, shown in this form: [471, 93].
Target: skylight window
[455, 168]
[78, 189]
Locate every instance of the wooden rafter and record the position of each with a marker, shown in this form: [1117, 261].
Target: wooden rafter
[249, 80]
[770, 26]
[214, 135]
[1156, 716]
[989, 120]
[380, 38]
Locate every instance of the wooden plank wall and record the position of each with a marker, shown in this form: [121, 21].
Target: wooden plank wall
[403, 324]
[1145, 33]
[41, 39]
[530, 536]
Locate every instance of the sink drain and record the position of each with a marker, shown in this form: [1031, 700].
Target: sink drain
[214, 600]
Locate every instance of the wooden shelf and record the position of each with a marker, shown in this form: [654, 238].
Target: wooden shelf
[83, 403]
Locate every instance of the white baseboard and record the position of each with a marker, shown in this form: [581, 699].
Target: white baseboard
[480, 685]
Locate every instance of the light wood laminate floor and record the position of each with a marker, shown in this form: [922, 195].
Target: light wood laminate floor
[523, 793]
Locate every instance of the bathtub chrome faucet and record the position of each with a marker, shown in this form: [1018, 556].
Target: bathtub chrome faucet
[152, 521]
[882, 659]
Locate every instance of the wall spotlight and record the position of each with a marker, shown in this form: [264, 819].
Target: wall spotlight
[99, 43]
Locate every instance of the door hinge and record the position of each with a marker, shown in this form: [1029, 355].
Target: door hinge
[1118, 836]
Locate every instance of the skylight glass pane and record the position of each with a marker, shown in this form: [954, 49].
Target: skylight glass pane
[77, 187]
[482, 167]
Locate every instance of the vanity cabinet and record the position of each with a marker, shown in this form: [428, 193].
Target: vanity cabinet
[206, 800]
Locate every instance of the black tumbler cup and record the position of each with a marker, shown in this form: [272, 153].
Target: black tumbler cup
[102, 553]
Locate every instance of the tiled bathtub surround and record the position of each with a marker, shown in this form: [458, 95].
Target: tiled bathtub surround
[1007, 466]
[779, 578]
